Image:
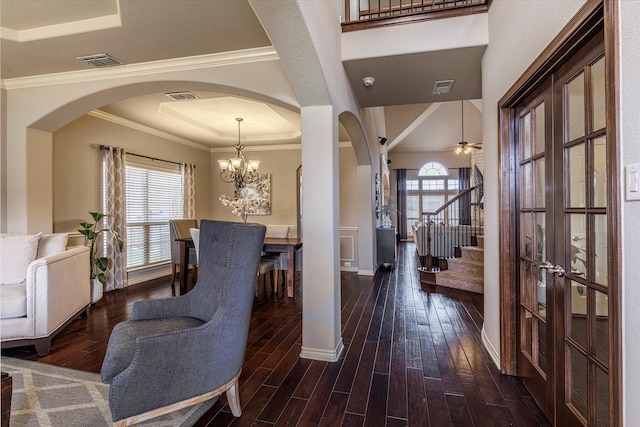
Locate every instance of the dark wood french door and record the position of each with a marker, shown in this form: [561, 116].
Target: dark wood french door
[563, 331]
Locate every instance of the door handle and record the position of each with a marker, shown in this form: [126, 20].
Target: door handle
[555, 269]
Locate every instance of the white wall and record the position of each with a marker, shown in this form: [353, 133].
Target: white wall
[629, 92]
[518, 32]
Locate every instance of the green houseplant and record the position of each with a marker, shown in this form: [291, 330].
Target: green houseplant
[91, 232]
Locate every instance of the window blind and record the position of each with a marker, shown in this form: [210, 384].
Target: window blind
[154, 196]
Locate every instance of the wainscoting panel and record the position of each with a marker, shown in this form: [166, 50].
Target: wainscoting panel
[348, 249]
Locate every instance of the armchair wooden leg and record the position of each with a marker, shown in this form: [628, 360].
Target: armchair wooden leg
[233, 397]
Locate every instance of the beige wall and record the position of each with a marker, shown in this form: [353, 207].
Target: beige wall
[77, 166]
[282, 165]
[3, 161]
[506, 19]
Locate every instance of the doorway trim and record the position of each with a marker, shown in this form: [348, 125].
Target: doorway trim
[581, 27]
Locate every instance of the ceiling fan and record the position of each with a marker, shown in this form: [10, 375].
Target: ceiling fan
[464, 146]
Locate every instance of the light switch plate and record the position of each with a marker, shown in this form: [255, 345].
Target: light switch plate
[632, 175]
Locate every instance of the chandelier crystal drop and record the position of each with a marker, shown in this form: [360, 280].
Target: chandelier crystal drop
[237, 169]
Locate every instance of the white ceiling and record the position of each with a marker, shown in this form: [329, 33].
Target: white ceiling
[42, 37]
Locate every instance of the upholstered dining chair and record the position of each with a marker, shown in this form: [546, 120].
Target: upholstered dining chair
[195, 235]
[282, 232]
[177, 352]
[179, 229]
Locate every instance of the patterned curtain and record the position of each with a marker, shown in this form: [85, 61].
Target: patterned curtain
[188, 171]
[401, 196]
[116, 210]
[464, 183]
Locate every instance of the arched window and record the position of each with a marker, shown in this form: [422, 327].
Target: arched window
[433, 169]
[427, 189]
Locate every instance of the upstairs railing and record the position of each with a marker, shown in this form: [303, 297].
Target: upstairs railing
[456, 223]
[360, 14]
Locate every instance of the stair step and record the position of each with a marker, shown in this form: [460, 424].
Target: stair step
[472, 252]
[463, 282]
[467, 266]
[480, 240]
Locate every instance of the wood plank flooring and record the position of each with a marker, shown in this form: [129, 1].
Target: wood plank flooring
[411, 358]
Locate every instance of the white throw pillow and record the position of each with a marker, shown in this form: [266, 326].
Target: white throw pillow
[16, 253]
[51, 244]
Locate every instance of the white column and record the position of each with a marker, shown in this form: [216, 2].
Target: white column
[366, 226]
[321, 329]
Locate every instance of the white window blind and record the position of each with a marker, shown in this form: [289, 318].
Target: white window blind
[154, 196]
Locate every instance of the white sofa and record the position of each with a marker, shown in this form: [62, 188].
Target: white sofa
[41, 291]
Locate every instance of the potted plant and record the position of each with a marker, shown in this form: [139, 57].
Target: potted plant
[98, 265]
[388, 209]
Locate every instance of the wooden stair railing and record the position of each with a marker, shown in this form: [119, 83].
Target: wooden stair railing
[450, 229]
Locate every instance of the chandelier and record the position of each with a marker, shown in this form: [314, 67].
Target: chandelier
[238, 170]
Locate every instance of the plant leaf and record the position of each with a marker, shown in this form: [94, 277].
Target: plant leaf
[102, 263]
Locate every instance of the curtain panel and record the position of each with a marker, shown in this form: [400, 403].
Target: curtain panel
[401, 197]
[115, 160]
[188, 171]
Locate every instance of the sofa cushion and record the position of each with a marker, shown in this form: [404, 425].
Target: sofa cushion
[51, 244]
[14, 301]
[16, 253]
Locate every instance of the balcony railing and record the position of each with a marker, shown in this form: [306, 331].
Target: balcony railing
[361, 14]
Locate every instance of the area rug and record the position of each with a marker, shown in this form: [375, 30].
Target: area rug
[51, 396]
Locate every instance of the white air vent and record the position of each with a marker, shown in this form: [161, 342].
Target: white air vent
[181, 96]
[100, 60]
[442, 86]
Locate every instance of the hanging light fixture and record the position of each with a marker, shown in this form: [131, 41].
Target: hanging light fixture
[237, 169]
[463, 146]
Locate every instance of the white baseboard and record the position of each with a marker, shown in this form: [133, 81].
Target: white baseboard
[323, 355]
[495, 356]
[350, 269]
[366, 273]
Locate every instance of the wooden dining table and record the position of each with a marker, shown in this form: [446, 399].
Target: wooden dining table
[287, 246]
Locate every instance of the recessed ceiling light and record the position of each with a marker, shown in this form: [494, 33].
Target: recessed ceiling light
[181, 96]
[442, 86]
[100, 60]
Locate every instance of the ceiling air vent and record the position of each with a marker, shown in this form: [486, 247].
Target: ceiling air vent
[100, 60]
[442, 86]
[181, 96]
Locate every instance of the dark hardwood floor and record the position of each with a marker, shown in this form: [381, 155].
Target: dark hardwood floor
[411, 358]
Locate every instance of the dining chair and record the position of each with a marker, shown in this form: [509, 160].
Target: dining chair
[282, 232]
[179, 229]
[195, 235]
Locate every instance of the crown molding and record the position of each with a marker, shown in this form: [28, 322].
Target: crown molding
[146, 129]
[65, 29]
[267, 53]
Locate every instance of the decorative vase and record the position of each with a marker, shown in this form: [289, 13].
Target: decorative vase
[96, 290]
[386, 222]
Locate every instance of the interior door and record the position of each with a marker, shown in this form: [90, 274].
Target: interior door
[582, 240]
[536, 359]
[563, 334]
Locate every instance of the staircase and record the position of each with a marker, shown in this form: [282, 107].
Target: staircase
[465, 272]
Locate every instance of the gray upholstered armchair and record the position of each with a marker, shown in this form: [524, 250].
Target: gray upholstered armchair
[180, 351]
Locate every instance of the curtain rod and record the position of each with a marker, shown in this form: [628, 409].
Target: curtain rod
[106, 147]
